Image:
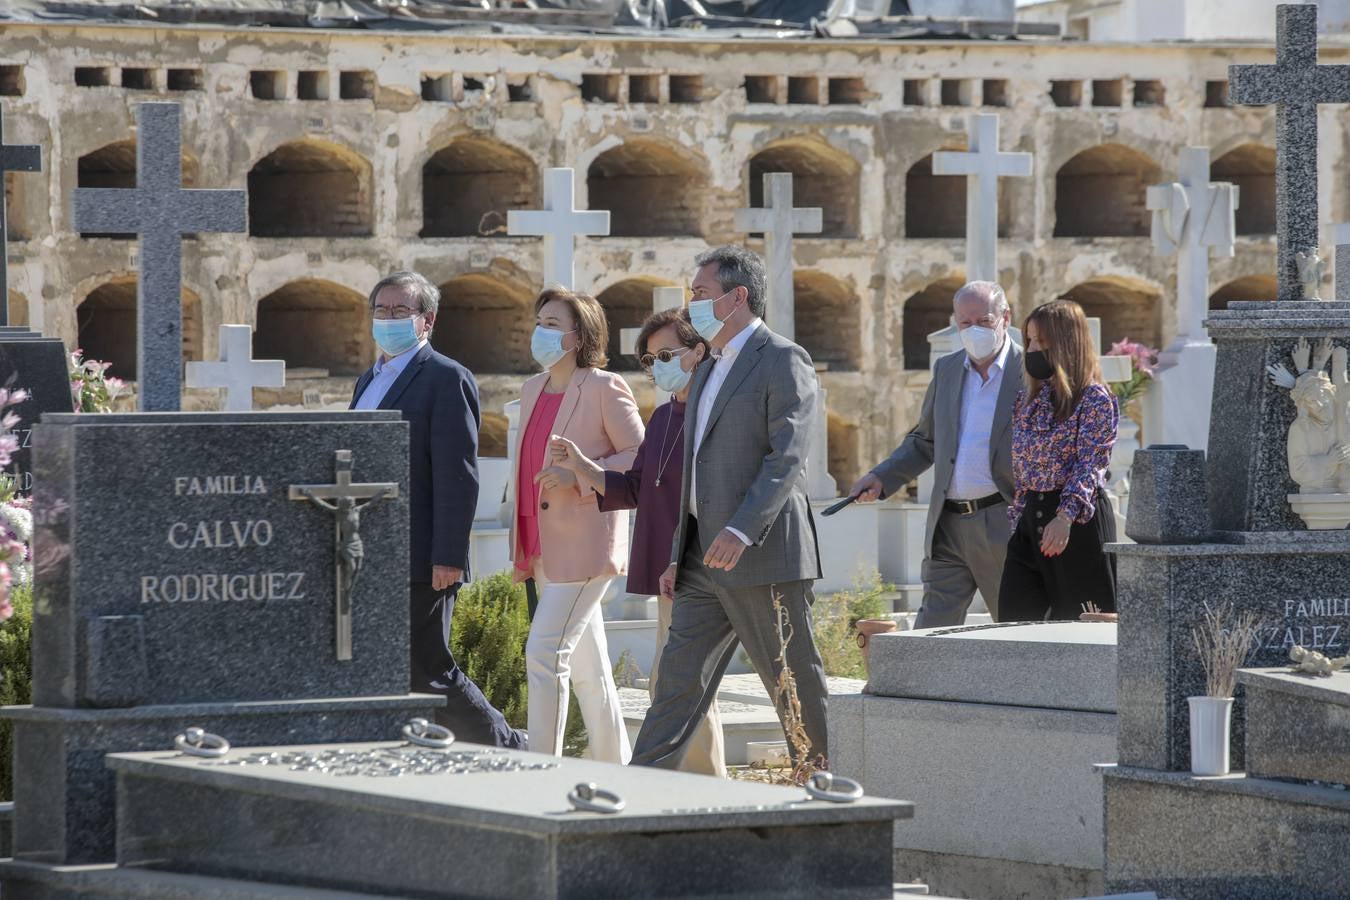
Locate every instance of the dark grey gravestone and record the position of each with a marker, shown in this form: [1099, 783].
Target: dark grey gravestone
[1343, 263]
[161, 211]
[38, 365]
[13, 158]
[1296, 84]
[514, 834]
[1298, 725]
[1168, 500]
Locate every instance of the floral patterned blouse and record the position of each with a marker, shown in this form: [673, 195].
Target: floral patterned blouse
[1068, 456]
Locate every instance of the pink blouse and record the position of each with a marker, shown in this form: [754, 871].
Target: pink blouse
[533, 452]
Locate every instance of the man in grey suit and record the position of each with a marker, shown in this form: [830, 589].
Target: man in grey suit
[747, 535]
[965, 432]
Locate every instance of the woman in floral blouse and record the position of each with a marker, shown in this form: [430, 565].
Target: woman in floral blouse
[1064, 424]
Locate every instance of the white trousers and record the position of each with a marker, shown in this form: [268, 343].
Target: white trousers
[567, 647]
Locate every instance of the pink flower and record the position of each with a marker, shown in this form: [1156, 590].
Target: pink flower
[6, 609]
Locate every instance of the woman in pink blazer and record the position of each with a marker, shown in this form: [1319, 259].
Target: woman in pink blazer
[559, 537]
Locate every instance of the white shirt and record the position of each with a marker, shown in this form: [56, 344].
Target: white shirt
[386, 373]
[711, 388]
[971, 477]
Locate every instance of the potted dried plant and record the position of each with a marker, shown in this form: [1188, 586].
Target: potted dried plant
[1224, 642]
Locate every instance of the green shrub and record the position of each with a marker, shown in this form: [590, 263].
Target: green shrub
[16, 677]
[836, 617]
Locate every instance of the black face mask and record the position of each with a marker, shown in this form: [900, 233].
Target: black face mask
[1038, 365]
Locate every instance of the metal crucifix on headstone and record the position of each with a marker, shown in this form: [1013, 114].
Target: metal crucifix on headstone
[161, 211]
[347, 546]
[1296, 84]
[237, 371]
[983, 164]
[559, 223]
[13, 158]
[778, 220]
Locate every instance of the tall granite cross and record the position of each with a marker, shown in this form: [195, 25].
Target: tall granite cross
[237, 371]
[983, 164]
[161, 211]
[779, 221]
[13, 158]
[1296, 84]
[559, 223]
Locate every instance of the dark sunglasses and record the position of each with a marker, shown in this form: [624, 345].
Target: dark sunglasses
[665, 356]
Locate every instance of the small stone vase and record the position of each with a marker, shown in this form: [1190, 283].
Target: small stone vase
[866, 629]
[1211, 727]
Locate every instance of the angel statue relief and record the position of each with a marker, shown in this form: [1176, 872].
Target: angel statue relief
[1319, 447]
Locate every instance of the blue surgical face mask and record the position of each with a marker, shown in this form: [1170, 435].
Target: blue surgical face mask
[671, 376]
[394, 336]
[704, 319]
[546, 345]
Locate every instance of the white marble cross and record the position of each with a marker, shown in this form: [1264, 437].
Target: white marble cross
[559, 223]
[1190, 217]
[778, 220]
[1341, 237]
[982, 165]
[237, 371]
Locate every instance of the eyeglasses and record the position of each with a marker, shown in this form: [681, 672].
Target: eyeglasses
[396, 312]
[665, 356]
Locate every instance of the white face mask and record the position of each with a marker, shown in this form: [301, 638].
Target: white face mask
[980, 342]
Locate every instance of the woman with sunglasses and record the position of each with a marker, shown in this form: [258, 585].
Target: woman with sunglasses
[669, 349]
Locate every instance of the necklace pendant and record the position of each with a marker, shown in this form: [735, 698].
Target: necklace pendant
[658, 482]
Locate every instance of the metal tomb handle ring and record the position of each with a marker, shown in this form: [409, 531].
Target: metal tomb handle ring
[833, 788]
[199, 742]
[428, 734]
[590, 797]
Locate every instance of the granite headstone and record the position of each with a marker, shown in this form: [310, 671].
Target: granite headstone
[1168, 499]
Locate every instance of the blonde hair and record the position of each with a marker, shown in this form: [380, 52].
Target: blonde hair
[591, 325]
[1062, 330]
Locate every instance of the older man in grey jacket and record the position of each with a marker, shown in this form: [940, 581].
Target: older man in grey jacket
[747, 536]
[965, 433]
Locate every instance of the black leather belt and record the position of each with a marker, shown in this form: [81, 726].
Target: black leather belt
[971, 507]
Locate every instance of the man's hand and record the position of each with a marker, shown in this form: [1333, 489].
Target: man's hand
[867, 488]
[725, 552]
[668, 583]
[555, 477]
[445, 577]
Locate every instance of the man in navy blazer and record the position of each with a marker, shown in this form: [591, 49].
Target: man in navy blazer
[439, 399]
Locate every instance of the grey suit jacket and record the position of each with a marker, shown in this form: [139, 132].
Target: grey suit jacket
[751, 466]
[932, 442]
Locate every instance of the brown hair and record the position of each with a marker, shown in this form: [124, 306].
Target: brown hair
[591, 325]
[684, 330]
[1063, 329]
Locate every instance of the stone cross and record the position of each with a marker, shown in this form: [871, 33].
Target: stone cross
[779, 221]
[13, 158]
[1296, 84]
[1190, 218]
[237, 371]
[349, 550]
[1341, 236]
[559, 223]
[161, 211]
[982, 165]
[662, 298]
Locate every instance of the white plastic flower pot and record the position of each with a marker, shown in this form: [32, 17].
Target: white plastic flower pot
[1211, 725]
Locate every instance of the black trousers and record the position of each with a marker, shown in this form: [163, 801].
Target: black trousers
[434, 671]
[1037, 587]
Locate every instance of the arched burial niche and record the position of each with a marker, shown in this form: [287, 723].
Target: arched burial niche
[1251, 287]
[821, 176]
[1102, 192]
[1252, 168]
[492, 435]
[315, 324]
[310, 188]
[18, 309]
[627, 305]
[114, 166]
[485, 324]
[842, 438]
[650, 188]
[105, 322]
[1127, 308]
[935, 205]
[469, 185]
[828, 317]
[927, 311]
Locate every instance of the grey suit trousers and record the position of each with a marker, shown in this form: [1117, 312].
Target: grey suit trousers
[706, 622]
[968, 554]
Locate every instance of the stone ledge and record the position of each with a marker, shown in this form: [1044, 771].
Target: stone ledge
[1236, 784]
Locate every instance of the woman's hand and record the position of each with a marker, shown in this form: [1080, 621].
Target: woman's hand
[1056, 536]
[555, 477]
[564, 453]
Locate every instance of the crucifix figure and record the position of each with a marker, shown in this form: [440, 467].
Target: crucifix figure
[237, 371]
[559, 222]
[13, 158]
[161, 211]
[1296, 84]
[778, 220]
[347, 545]
[982, 165]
